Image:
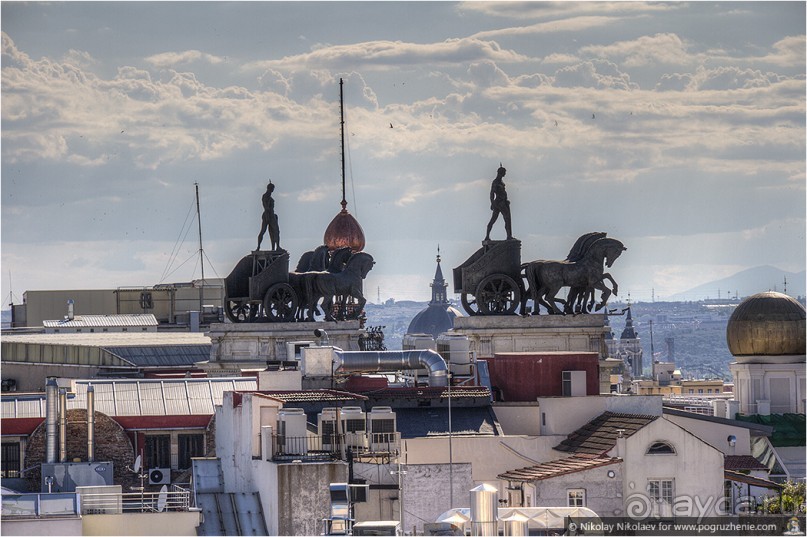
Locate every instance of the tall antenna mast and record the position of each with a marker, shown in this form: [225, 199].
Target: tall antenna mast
[201, 250]
[342, 125]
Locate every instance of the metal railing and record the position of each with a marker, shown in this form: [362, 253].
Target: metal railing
[334, 447]
[175, 499]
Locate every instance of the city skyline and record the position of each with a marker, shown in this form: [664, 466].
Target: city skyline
[676, 128]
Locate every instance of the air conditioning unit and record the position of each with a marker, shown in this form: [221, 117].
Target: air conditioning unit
[382, 421]
[292, 433]
[160, 476]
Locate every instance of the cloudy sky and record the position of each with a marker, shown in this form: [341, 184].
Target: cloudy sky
[678, 128]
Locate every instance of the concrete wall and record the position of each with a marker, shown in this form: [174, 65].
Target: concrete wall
[45, 527]
[564, 415]
[488, 334]
[304, 496]
[716, 434]
[169, 523]
[489, 456]
[603, 494]
[696, 469]
[519, 418]
[427, 494]
[51, 305]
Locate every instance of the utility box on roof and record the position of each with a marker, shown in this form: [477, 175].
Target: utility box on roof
[317, 361]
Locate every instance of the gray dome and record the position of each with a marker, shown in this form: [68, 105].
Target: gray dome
[434, 320]
[767, 324]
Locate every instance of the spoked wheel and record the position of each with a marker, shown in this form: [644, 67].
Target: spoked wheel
[280, 303]
[498, 294]
[238, 310]
[469, 304]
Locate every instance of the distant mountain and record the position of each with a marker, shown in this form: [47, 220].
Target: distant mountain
[748, 282]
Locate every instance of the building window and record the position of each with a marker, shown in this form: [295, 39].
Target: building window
[660, 448]
[691, 390]
[158, 451]
[191, 445]
[660, 490]
[576, 497]
[10, 459]
[700, 390]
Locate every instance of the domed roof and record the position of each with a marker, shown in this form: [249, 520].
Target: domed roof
[344, 230]
[434, 320]
[767, 324]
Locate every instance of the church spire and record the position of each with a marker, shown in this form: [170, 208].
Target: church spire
[439, 284]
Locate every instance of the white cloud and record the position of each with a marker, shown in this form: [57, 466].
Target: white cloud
[666, 49]
[167, 60]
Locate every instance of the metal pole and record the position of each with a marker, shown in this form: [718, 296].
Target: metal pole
[201, 251]
[450, 447]
[342, 126]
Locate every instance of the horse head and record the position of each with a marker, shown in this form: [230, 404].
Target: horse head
[361, 263]
[612, 251]
[339, 259]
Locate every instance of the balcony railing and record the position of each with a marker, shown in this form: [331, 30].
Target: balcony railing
[174, 499]
[334, 447]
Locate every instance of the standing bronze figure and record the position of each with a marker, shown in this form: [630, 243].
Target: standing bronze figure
[499, 204]
[269, 219]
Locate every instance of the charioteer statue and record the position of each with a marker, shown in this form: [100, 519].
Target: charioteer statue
[499, 204]
[269, 219]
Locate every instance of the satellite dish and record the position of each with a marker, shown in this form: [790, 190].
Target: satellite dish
[137, 463]
[162, 499]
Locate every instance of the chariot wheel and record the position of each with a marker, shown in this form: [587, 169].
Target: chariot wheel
[469, 304]
[498, 294]
[280, 303]
[238, 310]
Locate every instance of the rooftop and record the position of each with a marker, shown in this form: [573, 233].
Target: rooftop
[546, 470]
[742, 462]
[599, 435]
[104, 321]
[136, 397]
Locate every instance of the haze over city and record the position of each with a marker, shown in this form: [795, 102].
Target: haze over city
[677, 128]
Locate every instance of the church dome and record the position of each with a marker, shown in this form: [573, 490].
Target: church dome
[434, 320]
[344, 230]
[767, 324]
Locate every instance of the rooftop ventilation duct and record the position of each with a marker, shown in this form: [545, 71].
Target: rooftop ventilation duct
[51, 419]
[378, 361]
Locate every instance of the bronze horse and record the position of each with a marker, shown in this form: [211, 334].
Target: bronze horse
[546, 278]
[332, 286]
[311, 263]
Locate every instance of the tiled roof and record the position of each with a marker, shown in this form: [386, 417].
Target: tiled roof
[457, 392]
[599, 435]
[750, 480]
[546, 470]
[312, 396]
[433, 421]
[742, 462]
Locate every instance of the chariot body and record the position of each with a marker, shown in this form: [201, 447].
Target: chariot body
[258, 289]
[490, 282]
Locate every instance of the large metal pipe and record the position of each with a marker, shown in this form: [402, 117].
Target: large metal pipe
[377, 361]
[484, 510]
[62, 425]
[51, 417]
[90, 423]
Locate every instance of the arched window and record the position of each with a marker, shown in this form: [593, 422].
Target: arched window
[660, 448]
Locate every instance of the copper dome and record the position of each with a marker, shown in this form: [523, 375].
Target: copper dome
[344, 230]
[767, 324]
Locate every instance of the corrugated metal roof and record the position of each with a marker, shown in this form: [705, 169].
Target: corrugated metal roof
[104, 321]
[112, 339]
[162, 356]
[137, 397]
